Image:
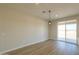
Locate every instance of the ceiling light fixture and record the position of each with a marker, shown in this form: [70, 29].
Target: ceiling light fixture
[49, 22]
[56, 15]
[49, 15]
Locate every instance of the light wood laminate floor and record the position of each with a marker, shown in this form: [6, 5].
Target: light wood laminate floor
[49, 47]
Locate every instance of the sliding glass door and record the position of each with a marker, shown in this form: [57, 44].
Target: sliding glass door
[67, 31]
[71, 32]
[61, 32]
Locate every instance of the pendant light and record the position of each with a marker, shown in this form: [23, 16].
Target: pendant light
[49, 15]
[49, 22]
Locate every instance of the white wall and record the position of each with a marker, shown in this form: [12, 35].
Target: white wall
[53, 28]
[18, 29]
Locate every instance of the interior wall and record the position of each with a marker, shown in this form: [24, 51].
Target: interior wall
[18, 29]
[53, 29]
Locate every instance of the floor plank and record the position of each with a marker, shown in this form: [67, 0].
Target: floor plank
[49, 47]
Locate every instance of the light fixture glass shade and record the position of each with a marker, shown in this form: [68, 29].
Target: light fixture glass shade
[49, 22]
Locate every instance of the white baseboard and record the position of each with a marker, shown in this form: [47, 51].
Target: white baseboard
[3, 52]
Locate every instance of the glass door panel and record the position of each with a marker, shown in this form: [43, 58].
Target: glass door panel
[61, 32]
[71, 32]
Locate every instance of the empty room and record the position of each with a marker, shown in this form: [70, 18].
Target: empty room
[39, 28]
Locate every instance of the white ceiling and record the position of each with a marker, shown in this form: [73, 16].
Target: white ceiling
[59, 9]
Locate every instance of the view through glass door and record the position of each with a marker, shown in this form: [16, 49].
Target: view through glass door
[67, 31]
[61, 32]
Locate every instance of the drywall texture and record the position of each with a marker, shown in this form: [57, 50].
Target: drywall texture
[18, 29]
[53, 28]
